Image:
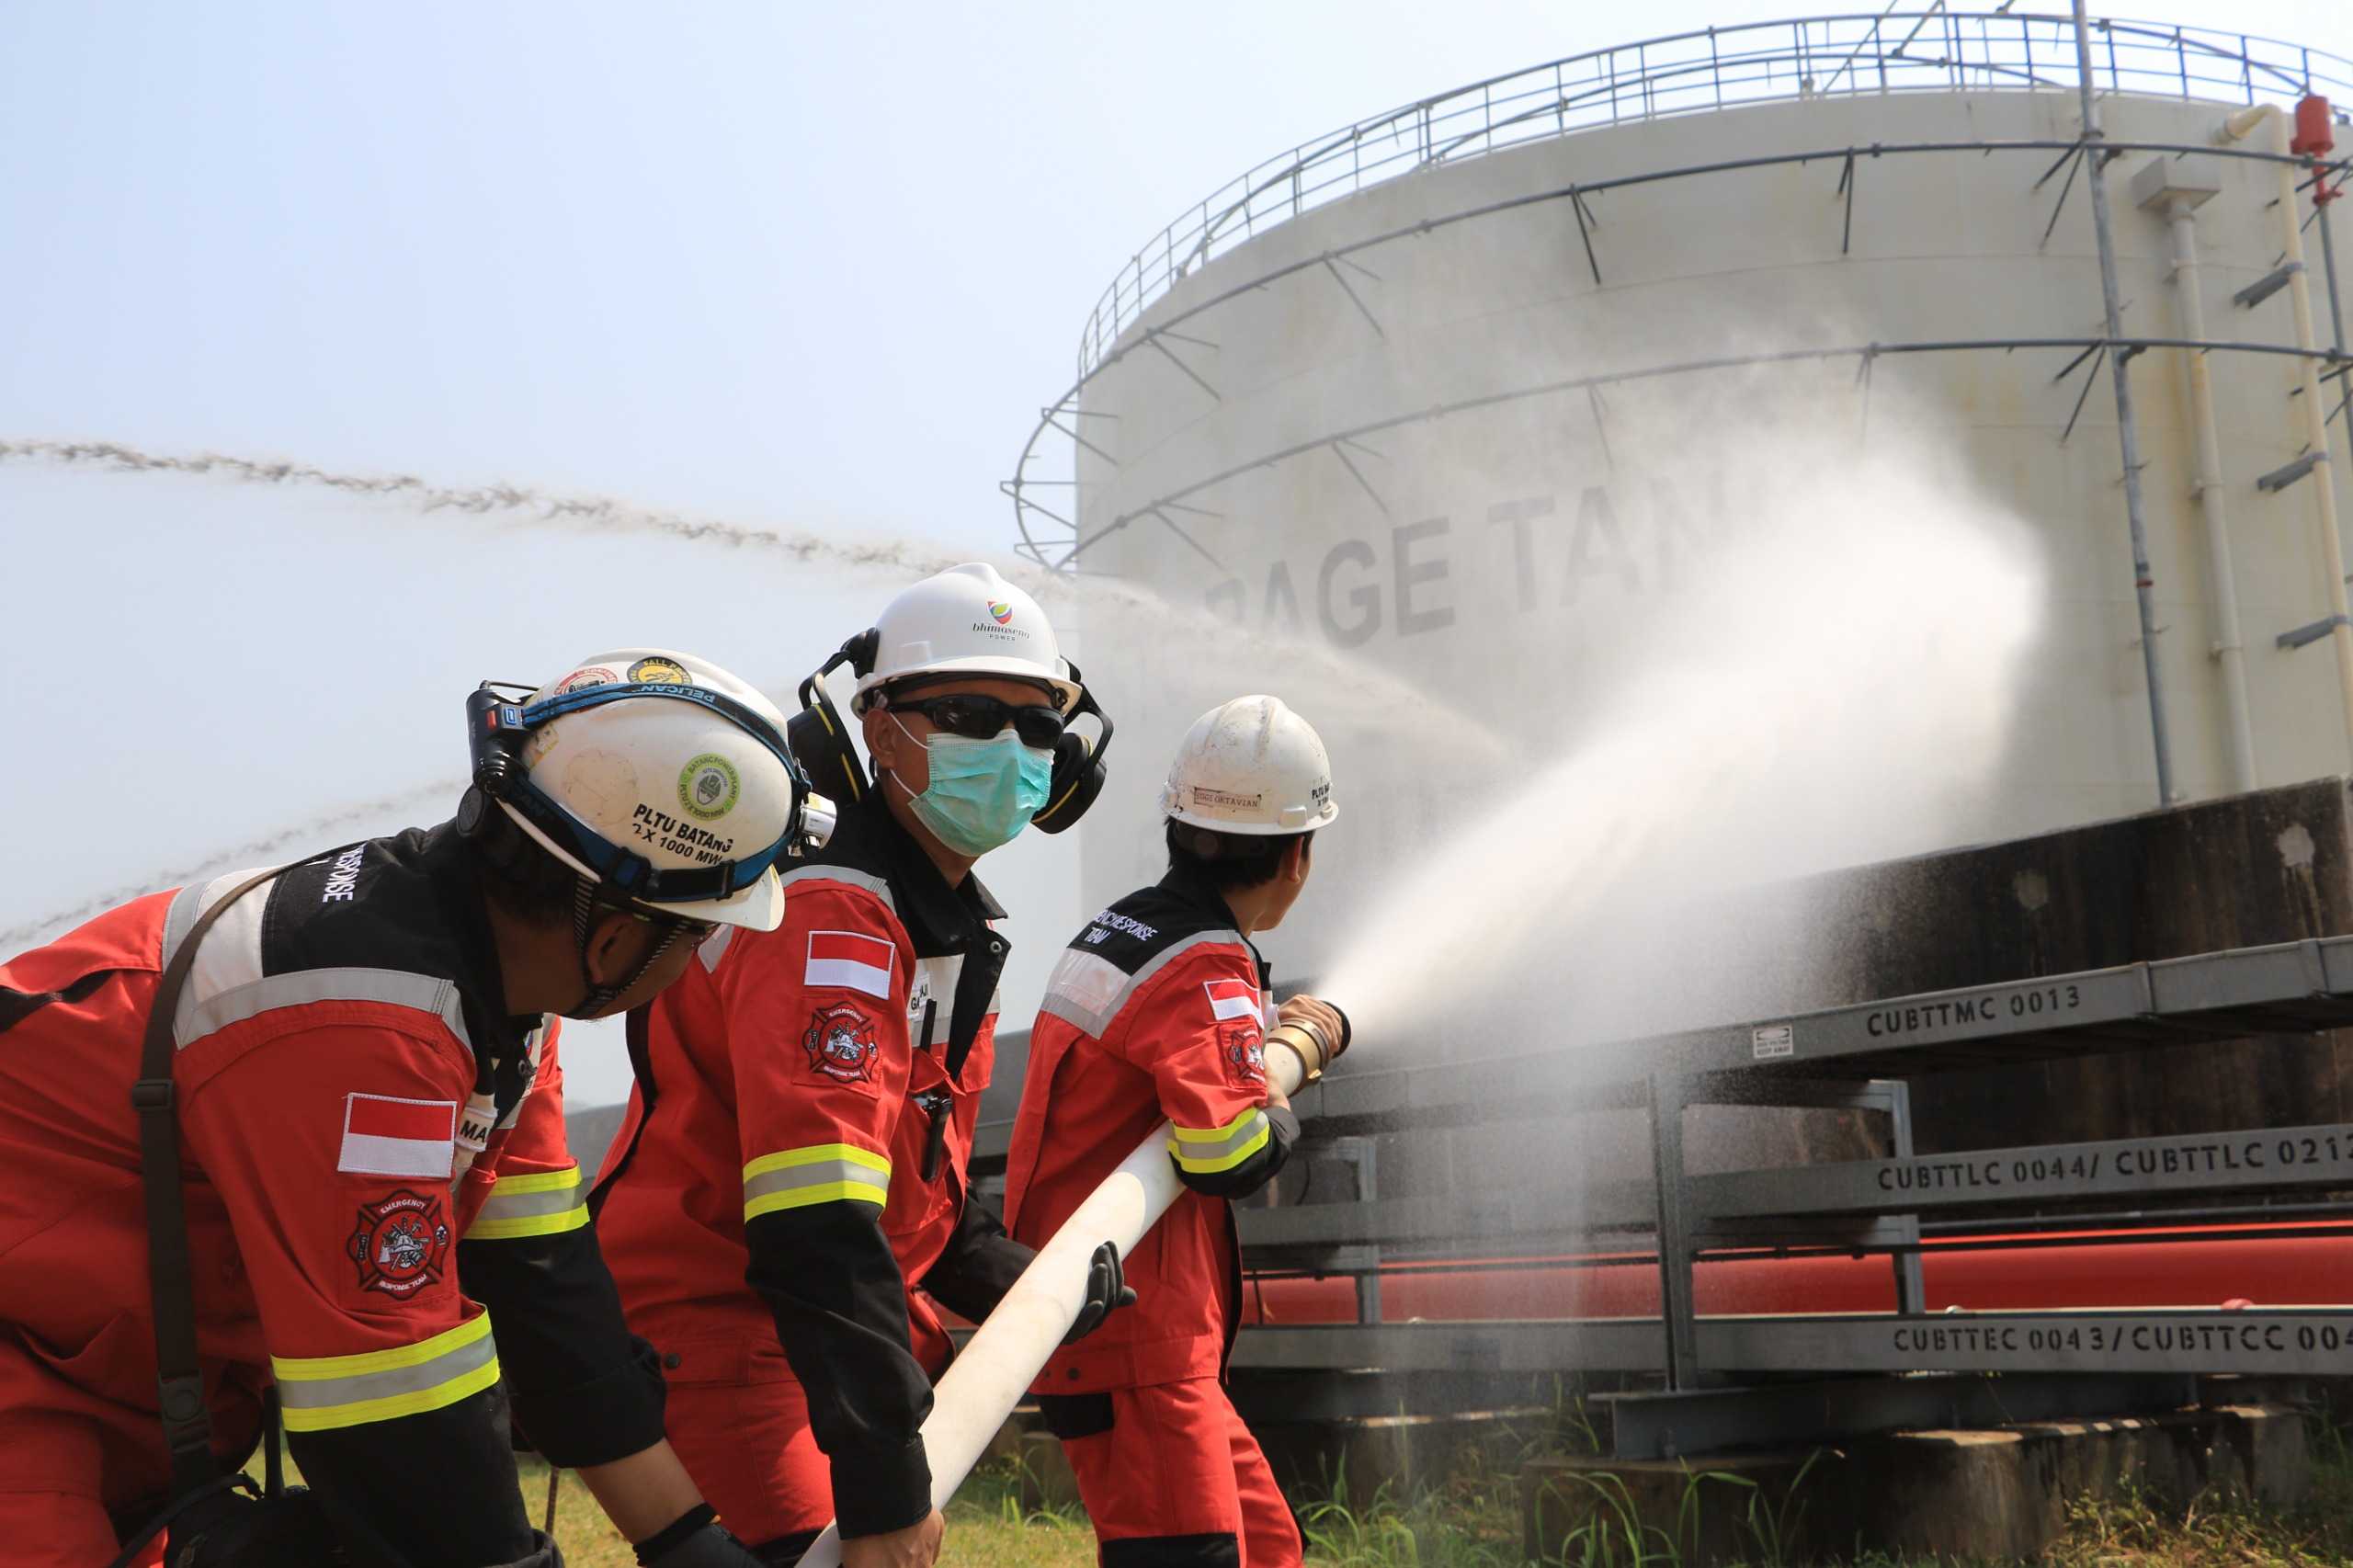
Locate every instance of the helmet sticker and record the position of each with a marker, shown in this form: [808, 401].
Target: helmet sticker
[1002, 613]
[660, 671]
[580, 679]
[709, 788]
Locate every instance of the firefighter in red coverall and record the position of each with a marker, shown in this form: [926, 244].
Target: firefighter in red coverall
[803, 1119]
[1158, 1011]
[370, 1115]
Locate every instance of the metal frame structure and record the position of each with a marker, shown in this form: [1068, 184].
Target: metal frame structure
[1061, 550]
[1703, 71]
[1937, 50]
[1727, 1379]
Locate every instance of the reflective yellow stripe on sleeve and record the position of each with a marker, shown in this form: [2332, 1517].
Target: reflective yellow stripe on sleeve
[1206, 1151]
[327, 1391]
[822, 1172]
[542, 1203]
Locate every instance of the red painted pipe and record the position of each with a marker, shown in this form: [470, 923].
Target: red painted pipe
[2190, 1270]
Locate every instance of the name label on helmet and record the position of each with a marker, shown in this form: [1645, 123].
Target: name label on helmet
[648, 825]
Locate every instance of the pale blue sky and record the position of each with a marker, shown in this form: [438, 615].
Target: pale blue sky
[814, 268]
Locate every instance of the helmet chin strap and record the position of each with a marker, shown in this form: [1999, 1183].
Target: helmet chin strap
[596, 998]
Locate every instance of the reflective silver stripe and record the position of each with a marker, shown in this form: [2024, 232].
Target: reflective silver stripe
[531, 1205]
[1081, 986]
[200, 1014]
[821, 1173]
[229, 954]
[187, 904]
[533, 1044]
[1096, 1019]
[193, 900]
[843, 874]
[314, 1393]
[935, 979]
[715, 948]
[1190, 1148]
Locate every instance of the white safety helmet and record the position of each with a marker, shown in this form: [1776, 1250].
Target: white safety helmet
[967, 620]
[686, 806]
[1251, 767]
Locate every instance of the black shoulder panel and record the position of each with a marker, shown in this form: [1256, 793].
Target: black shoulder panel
[1142, 925]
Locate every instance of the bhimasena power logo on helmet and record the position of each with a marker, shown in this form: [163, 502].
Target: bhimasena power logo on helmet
[1002, 613]
[708, 786]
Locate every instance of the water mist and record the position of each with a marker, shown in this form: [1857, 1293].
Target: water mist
[1837, 689]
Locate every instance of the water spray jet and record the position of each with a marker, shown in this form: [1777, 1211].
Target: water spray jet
[1351, 680]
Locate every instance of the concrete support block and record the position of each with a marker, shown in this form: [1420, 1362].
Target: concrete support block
[1005, 1448]
[1744, 1507]
[1044, 1472]
[1360, 1456]
[1997, 1493]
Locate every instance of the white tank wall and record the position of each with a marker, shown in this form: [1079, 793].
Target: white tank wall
[1945, 247]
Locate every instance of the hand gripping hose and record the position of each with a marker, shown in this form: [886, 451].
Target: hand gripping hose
[1004, 1356]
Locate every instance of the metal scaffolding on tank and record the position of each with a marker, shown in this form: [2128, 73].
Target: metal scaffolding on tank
[1936, 50]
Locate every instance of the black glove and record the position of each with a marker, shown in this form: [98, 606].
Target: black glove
[1106, 1292]
[543, 1554]
[231, 1530]
[695, 1541]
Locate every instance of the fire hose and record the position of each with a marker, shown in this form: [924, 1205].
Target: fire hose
[1006, 1353]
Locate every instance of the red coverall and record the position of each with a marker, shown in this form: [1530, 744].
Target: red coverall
[1157, 1012]
[787, 1129]
[363, 1129]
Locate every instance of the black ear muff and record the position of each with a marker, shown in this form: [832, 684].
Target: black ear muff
[861, 651]
[1079, 771]
[1078, 778]
[818, 739]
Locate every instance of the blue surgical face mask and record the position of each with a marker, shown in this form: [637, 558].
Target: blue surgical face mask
[982, 793]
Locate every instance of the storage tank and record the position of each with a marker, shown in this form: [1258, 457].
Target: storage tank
[1459, 393]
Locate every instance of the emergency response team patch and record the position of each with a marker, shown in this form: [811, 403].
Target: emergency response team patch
[1241, 1046]
[1240, 1037]
[850, 961]
[387, 1136]
[841, 1044]
[400, 1245]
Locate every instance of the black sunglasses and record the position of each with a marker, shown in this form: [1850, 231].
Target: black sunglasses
[979, 718]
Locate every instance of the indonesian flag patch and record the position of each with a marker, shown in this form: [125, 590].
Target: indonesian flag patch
[852, 961]
[385, 1136]
[1232, 999]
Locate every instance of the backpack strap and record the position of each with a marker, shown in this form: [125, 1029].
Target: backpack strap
[188, 1426]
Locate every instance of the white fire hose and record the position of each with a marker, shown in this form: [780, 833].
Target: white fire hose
[1006, 1353]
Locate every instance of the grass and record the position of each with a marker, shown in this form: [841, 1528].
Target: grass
[2134, 1529]
[986, 1524]
[1471, 1518]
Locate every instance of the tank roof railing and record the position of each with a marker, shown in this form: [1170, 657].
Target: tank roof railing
[1814, 57]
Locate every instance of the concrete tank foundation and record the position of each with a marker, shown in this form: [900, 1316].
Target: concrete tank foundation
[1999, 1493]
